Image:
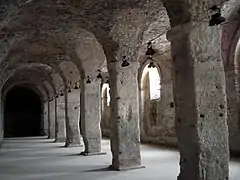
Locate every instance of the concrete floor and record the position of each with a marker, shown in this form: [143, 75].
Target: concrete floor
[39, 158]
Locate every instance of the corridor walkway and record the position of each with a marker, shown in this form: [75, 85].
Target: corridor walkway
[40, 159]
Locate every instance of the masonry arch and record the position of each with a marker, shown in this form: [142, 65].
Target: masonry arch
[230, 36]
[22, 113]
[37, 78]
[150, 94]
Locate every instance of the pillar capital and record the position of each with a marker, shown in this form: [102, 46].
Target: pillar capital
[179, 31]
[185, 29]
[116, 65]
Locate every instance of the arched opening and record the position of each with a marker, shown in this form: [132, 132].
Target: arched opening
[105, 109]
[236, 68]
[233, 96]
[150, 94]
[22, 113]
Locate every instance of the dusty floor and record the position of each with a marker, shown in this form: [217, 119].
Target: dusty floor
[39, 158]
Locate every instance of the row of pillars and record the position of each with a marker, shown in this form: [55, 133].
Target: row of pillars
[201, 109]
[62, 121]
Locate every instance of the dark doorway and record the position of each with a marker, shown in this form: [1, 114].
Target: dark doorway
[22, 113]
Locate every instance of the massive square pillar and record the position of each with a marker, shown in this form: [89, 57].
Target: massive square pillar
[73, 113]
[200, 98]
[52, 118]
[124, 122]
[91, 117]
[60, 120]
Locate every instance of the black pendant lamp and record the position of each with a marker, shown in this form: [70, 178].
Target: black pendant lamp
[125, 62]
[151, 65]
[76, 86]
[150, 50]
[88, 80]
[216, 18]
[99, 76]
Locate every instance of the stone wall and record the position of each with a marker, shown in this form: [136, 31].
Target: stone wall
[1, 123]
[105, 121]
[162, 129]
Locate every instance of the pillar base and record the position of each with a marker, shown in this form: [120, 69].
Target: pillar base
[125, 168]
[73, 145]
[50, 137]
[60, 140]
[42, 133]
[92, 153]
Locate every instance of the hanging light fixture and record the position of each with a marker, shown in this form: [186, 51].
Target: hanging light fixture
[76, 85]
[88, 80]
[216, 18]
[125, 62]
[151, 65]
[150, 58]
[61, 94]
[150, 50]
[99, 76]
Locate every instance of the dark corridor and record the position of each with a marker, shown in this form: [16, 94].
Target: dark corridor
[22, 113]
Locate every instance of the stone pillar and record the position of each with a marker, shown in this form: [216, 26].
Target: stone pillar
[146, 127]
[233, 111]
[1, 121]
[103, 110]
[90, 119]
[105, 114]
[73, 108]
[60, 123]
[51, 122]
[46, 118]
[125, 130]
[200, 97]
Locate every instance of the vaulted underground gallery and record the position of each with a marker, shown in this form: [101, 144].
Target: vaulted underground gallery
[119, 89]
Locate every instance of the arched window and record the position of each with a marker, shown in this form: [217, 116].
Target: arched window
[105, 118]
[106, 94]
[150, 95]
[153, 78]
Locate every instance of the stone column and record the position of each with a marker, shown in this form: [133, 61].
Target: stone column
[125, 130]
[90, 119]
[233, 110]
[1, 121]
[51, 122]
[105, 115]
[103, 111]
[200, 97]
[46, 118]
[73, 108]
[60, 123]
